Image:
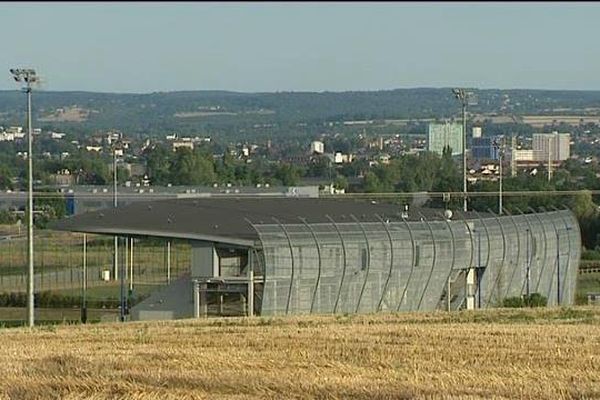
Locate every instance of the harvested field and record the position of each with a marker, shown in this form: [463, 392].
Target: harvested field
[548, 353]
[68, 114]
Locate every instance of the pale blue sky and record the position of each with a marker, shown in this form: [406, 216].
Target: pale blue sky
[146, 47]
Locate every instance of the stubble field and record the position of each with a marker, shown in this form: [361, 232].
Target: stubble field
[549, 353]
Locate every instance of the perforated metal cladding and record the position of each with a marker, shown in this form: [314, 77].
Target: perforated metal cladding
[360, 267]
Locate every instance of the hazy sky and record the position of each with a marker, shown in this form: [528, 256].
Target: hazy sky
[147, 47]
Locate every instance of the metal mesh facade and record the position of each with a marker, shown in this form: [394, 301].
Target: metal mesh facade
[357, 266]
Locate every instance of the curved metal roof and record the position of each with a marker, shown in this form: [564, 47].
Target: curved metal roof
[230, 220]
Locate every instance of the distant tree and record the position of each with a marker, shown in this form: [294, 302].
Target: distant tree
[288, 174]
[341, 182]
[320, 166]
[583, 206]
[6, 175]
[372, 184]
[448, 177]
[191, 168]
[158, 165]
[226, 168]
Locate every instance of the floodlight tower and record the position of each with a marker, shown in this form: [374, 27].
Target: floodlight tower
[28, 77]
[463, 95]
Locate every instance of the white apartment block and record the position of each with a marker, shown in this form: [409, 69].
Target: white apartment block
[524, 155]
[551, 146]
[317, 147]
[183, 144]
[445, 135]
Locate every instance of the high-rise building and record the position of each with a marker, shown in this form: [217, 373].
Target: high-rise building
[444, 135]
[551, 146]
[483, 148]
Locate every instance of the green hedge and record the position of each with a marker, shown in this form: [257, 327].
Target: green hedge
[533, 300]
[590, 254]
[56, 300]
[6, 217]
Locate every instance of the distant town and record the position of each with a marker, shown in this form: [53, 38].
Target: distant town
[305, 144]
[319, 161]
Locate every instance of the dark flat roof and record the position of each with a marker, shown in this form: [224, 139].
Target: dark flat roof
[229, 219]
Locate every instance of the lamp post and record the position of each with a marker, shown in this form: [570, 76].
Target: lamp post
[121, 275]
[463, 96]
[28, 77]
[116, 239]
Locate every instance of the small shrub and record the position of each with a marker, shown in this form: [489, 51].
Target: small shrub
[581, 299]
[532, 300]
[6, 217]
[590, 254]
[535, 300]
[513, 302]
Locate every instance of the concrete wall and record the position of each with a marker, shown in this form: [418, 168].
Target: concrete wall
[174, 301]
[205, 261]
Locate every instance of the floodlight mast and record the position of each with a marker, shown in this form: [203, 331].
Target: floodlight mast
[28, 77]
[463, 96]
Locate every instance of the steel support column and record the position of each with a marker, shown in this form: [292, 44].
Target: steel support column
[487, 235]
[292, 277]
[477, 270]
[544, 261]
[556, 261]
[318, 245]
[412, 262]
[250, 311]
[517, 265]
[387, 281]
[362, 290]
[489, 299]
[453, 255]
[527, 281]
[567, 229]
[433, 260]
[337, 300]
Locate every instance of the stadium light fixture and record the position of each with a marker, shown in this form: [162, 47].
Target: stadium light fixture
[463, 96]
[28, 77]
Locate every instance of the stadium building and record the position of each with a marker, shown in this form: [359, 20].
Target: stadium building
[284, 256]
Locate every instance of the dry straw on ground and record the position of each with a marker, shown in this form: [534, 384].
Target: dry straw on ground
[493, 354]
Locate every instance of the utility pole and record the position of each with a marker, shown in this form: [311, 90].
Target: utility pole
[463, 96]
[28, 76]
[116, 260]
